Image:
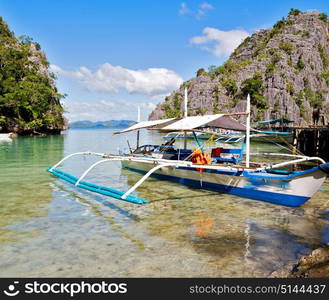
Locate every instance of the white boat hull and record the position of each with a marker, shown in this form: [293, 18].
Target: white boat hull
[290, 190]
[5, 137]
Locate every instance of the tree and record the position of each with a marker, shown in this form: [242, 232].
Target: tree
[323, 17]
[4, 30]
[287, 47]
[300, 64]
[28, 97]
[211, 68]
[201, 72]
[25, 39]
[294, 12]
[315, 98]
[201, 111]
[325, 76]
[215, 108]
[254, 87]
[172, 110]
[230, 86]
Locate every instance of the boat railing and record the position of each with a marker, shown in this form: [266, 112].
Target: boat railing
[75, 154]
[278, 154]
[296, 161]
[299, 159]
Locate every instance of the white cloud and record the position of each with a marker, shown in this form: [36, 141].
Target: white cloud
[218, 42]
[134, 105]
[104, 110]
[93, 111]
[55, 69]
[183, 9]
[153, 82]
[203, 8]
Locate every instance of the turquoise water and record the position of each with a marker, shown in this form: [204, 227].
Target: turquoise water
[50, 228]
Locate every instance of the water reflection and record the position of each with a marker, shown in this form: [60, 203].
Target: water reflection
[96, 209]
[270, 249]
[181, 231]
[325, 235]
[253, 237]
[25, 190]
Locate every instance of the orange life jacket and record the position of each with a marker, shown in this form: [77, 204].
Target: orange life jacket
[200, 158]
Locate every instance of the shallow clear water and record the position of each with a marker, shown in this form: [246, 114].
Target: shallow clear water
[50, 228]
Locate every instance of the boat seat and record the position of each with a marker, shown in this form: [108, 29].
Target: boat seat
[224, 159]
[236, 155]
[182, 154]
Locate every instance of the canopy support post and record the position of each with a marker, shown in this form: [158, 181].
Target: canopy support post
[185, 116]
[138, 120]
[185, 140]
[248, 133]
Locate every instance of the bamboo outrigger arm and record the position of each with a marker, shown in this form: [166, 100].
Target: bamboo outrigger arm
[91, 167]
[126, 196]
[295, 161]
[139, 182]
[74, 154]
[135, 186]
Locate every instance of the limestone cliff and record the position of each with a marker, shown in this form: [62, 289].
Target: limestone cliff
[285, 69]
[29, 100]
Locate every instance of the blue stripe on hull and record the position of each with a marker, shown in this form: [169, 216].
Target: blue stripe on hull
[277, 198]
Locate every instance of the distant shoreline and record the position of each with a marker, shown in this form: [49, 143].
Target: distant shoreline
[92, 128]
[85, 124]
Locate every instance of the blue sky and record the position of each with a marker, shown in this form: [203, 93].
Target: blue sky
[111, 56]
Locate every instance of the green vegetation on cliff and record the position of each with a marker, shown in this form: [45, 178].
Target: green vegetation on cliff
[29, 101]
[173, 111]
[285, 69]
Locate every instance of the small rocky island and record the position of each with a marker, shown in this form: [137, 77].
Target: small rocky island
[285, 69]
[29, 100]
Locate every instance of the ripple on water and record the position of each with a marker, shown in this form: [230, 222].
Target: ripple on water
[50, 228]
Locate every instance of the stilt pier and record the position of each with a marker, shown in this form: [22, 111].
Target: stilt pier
[311, 140]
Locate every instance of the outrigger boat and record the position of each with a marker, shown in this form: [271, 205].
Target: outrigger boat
[224, 170]
[258, 136]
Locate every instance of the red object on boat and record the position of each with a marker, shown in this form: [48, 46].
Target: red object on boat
[215, 152]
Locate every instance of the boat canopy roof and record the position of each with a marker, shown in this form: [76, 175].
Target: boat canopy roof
[145, 124]
[196, 123]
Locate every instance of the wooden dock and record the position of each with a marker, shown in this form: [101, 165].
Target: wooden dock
[310, 140]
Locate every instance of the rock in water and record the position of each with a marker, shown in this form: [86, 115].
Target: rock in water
[314, 265]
